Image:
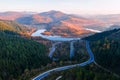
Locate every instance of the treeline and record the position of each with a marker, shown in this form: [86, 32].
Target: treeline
[102, 35]
[107, 53]
[80, 52]
[18, 55]
[62, 52]
[106, 49]
[90, 72]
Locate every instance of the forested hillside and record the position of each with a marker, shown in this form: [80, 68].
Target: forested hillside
[106, 48]
[18, 55]
[15, 27]
[90, 72]
[99, 36]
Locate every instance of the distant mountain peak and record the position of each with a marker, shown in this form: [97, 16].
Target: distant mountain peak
[52, 12]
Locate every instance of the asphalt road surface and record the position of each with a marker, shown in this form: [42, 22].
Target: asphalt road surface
[53, 49]
[90, 60]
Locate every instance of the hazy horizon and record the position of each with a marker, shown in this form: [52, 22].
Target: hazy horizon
[89, 7]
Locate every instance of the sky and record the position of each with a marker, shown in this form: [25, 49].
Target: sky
[67, 6]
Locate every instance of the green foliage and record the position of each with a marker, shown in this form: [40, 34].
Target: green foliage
[90, 72]
[107, 53]
[62, 52]
[12, 26]
[102, 35]
[106, 48]
[18, 55]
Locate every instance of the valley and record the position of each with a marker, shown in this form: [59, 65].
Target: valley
[91, 59]
[60, 69]
[58, 23]
[60, 40]
[51, 45]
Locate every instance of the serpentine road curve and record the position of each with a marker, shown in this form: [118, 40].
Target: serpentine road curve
[71, 49]
[53, 49]
[90, 60]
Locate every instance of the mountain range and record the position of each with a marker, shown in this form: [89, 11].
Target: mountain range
[22, 58]
[59, 23]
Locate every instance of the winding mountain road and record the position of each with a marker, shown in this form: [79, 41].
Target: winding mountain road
[53, 49]
[90, 60]
[71, 49]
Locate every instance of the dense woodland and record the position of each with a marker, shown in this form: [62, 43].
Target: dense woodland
[90, 72]
[107, 54]
[18, 55]
[62, 52]
[106, 48]
[99, 36]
